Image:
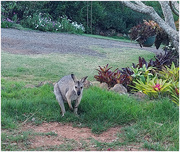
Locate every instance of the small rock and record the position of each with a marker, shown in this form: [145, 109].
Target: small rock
[119, 88]
[95, 83]
[140, 95]
[103, 86]
[87, 84]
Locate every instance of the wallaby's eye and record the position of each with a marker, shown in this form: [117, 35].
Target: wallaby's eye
[81, 87]
[76, 87]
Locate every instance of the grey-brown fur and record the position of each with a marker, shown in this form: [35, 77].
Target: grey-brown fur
[69, 89]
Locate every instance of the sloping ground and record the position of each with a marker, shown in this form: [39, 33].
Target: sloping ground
[35, 42]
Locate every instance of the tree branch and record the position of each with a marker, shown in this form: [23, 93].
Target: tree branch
[168, 16]
[142, 8]
[174, 7]
[138, 7]
[140, 3]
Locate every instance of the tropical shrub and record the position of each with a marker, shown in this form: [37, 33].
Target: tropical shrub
[106, 75]
[153, 87]
[171, 73]
[165, 82]
[6, 23]
[174, 92]
[126, 78]
[44, 22]
[161, 36]
[165, 59]
[142, 73]
[141, 32]
[142, 62]
[144, 78]
[116, 77]
[160, 60]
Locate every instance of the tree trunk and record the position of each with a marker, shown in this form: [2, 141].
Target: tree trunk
[168, 16]
[167, 25]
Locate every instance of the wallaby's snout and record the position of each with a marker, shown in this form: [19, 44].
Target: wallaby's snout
[78, 87]
[78, 93]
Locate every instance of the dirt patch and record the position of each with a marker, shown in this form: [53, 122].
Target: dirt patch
[57, 132]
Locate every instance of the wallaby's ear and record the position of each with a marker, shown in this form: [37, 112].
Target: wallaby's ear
[84, 79]
[73, 77]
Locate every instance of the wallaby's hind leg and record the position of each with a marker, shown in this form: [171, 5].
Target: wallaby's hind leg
[59, 99]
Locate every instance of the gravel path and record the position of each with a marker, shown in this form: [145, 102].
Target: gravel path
[36, 42]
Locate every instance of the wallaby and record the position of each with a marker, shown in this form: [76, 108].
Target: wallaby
[69, 89]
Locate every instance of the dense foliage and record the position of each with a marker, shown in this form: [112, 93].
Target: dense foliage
[105, 15]
[149, 30]
[155, 78]
[142, 31]
[44, 22]
[116, 77]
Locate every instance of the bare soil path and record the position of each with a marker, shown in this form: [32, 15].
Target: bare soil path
[80, 138]
[36, 42]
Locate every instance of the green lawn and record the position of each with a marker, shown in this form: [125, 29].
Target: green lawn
[51, 67]
[155, 123]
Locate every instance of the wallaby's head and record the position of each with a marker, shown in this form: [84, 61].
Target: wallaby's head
[78, 84]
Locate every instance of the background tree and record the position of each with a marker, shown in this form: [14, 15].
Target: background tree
[166, 23]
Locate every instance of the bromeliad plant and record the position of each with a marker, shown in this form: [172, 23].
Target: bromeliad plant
[153, 87]
[174, 92]
[142, 73]
[159, 61]
[153, 78]
[171, 73]
[161, 36]
[165, 82]
[141, 32]
[126, 78]
[107, 76]
[142, 62]
[116, 77]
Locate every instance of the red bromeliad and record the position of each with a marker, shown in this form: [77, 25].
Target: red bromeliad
[157, 87]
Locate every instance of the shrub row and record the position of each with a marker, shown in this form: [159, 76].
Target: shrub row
[44, 22]
[156, 78]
